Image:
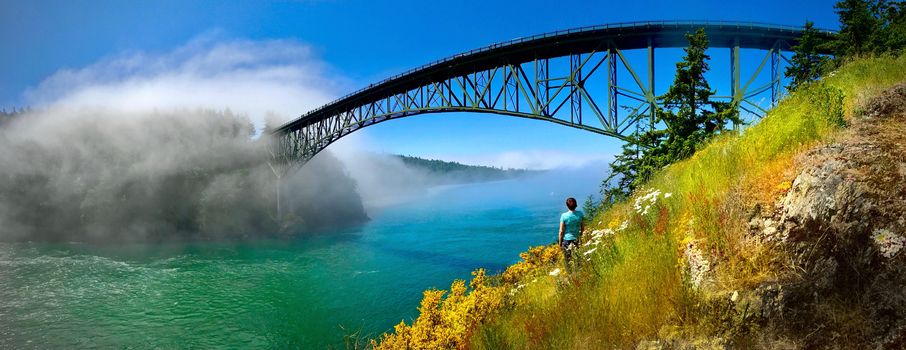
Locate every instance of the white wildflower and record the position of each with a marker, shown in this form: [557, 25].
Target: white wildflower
[734, 296]
[667, 195]
[696, 264]
[888, 242]
[623, 226]
[644, 202]
[597, 236]
[555, 272]
[592, 250]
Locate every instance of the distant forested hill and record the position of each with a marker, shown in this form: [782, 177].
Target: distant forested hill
[455, 172]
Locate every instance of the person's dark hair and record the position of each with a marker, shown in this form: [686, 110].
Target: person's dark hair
[571, 203]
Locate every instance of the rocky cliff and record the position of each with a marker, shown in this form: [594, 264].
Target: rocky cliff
[842, 225]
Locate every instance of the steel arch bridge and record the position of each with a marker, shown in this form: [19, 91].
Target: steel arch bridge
[545, 77]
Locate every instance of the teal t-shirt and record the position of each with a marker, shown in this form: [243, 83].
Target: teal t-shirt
[571, 221]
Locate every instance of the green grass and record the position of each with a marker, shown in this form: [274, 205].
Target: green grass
[634, 288]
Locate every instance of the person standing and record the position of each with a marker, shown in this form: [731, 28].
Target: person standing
[571, 228]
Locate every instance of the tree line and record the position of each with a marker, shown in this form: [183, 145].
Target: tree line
[462, 171]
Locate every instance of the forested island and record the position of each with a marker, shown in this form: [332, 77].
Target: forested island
[455, 172]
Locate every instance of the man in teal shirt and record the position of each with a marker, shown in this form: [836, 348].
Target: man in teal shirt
[571, 228]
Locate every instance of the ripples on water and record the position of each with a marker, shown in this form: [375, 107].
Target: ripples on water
[307, 293]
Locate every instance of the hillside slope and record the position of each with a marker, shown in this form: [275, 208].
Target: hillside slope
[771, 238]
[843, 224]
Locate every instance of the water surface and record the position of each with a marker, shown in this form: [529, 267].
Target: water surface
[306, 292]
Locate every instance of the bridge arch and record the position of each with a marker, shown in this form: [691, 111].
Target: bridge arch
[537, 77]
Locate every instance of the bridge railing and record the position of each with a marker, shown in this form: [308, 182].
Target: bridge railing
[520, 40]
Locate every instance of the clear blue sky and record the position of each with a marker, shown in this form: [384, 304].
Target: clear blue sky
[364, 41]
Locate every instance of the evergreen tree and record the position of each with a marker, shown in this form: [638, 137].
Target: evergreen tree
[624, 171]
[590, 208]
[806, 63]
[857, 27]
[890, 32]
[689, 118]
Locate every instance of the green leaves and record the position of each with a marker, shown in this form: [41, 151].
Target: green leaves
[870, 27]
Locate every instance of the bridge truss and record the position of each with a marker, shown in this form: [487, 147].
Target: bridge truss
[568, 77]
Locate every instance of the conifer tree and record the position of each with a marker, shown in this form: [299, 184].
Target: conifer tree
[890, 31]
[857, 28]
[689, 119]
[806, 63]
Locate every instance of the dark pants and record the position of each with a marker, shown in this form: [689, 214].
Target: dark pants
[569, 247]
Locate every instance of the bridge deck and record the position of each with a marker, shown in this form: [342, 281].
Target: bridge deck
[626, 36]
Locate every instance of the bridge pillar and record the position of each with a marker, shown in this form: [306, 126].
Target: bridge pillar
[612, 85]
[775, 74]
[734, 72]
[542, 82]
[575, 97]
[650, 95]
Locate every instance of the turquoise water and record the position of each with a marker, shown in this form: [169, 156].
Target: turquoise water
[305, 293]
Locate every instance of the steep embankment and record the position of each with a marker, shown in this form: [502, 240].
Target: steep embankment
[842, 226]
[780, 236]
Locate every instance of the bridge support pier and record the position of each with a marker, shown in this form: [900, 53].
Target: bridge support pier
[575, 81]
[734, 72]
[612, 85]
[775, 74]
[650, 94]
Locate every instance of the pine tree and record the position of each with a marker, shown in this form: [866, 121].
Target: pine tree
[690, 119]
[857, 27]
[806, 63]
[890, 32]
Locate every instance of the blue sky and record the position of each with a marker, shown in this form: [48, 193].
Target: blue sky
[350, 44]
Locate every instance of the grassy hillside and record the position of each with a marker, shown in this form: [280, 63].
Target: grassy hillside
[671, 262]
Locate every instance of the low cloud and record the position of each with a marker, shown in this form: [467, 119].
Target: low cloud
[280, 79]
[147, 146]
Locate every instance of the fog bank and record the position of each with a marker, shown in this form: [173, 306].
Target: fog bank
[99, 175]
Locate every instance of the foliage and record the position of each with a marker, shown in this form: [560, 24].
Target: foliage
[591, 208]
[891, 34]
[445, 323]
[532, 261]
[857, 26]
[690, 119]
[870, 27]
[807, 63]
